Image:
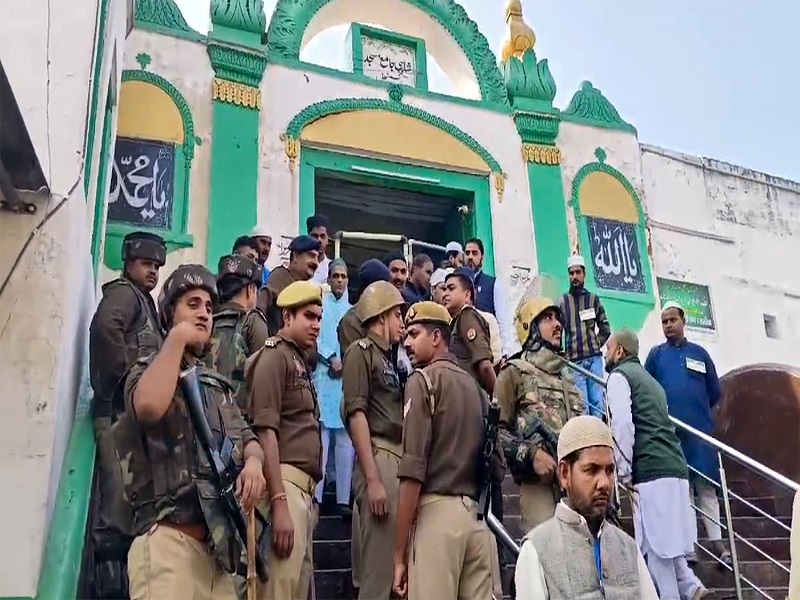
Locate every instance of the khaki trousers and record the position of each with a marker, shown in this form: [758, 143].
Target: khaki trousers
[536, 504]
[290, 579]
[165, 563]
[451, 551]
[376, 537]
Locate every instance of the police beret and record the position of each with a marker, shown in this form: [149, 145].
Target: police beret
[148, 246]
[236, 265]
[465, 273]
[428, 312]
[300, 293]
[304, 243]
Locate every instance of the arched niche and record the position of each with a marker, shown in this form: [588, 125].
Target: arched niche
[451, 37]
[152, 163]
[613, 241]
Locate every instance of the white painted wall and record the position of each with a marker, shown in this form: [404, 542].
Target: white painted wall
[737, 231]
[46, 307]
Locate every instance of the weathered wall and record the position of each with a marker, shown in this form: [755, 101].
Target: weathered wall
[738, 232]
[185, 65]
[45, 308]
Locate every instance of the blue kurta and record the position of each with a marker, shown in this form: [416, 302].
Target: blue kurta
[691, 394]
[329, 391]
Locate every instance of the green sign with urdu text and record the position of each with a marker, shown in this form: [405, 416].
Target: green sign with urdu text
[694, 298]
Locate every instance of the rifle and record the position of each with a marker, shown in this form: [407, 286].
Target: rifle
[224, 515]
[490, 426]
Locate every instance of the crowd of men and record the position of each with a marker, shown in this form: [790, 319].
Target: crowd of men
[396, 384]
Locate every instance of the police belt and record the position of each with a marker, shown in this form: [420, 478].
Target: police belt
[197, 531]
[392, 448]
[298, 478]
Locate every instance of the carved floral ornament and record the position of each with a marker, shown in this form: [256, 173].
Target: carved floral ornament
[236, 93]
[541, 155]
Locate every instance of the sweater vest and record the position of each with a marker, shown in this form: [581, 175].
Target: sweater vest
[484, 292]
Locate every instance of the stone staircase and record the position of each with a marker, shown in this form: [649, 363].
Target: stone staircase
[332, 544]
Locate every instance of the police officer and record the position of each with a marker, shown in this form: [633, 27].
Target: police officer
[304, 252]
[349, 331]
[372, 408]
[240, 328]
[124, 326]
[470, 340]
[536, 398]
[443, 438]
[285, 416]
[171, 556]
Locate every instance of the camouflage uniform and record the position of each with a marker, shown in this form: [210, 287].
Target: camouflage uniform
[533, 391]
[181, 543]
[124, 327]
[238, 332]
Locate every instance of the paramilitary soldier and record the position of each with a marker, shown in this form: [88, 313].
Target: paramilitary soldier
[372, 409]
[285, 413]
[349, 331]
[180, 545]
[451, 552]
[124, 327]
[240, 328]
[536, 398]
[304, 253]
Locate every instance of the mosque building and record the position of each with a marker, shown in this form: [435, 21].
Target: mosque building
[146, 124]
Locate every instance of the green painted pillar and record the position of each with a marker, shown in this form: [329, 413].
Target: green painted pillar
[531, 89]
[238, 70]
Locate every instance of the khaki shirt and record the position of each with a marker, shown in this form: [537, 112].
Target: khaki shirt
[470, 341]
[370, 384]
[443, 451]
[281, 398]
[279, 279]
[349, 330]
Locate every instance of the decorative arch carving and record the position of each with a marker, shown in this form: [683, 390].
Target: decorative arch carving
[291, 18]
[319, 110]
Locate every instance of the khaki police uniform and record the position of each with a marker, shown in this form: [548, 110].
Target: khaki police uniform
[533, 388]
[451, 552]
[371, 385]
[282, 398]
[172, 555]
[470, 341]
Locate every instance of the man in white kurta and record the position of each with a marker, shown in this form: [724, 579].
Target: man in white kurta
[652, 468]
[577, 553]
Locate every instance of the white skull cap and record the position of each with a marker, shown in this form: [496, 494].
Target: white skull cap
[576, 260]
[439, 276]
[260, 230]
[672, 304]
[583, 432]
[453, 247]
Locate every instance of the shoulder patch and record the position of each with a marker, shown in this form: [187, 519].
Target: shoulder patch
[363, 343]
[272, 342]
[406, 408]
[471, 333]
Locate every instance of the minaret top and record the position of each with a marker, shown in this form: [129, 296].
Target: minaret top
[520, 36]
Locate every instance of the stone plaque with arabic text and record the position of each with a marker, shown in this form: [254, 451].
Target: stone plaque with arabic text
[615, 256]
[142, 183]
[388, 62]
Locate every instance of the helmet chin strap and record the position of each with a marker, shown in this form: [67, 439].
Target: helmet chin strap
[536, 342]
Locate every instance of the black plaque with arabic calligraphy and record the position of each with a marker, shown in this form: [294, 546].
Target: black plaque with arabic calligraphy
[615, 256]
[142, 183]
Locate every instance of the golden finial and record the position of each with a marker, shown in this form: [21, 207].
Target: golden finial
[520, 36]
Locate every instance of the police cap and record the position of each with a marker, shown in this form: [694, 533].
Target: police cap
[235, 265]
[304, 243]
[429, 313]
[300, 293]
[148, 246]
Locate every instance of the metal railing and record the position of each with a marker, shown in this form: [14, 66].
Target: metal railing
[364, 236]
[733, 537]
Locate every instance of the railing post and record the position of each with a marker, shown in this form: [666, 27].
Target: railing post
[731, 533]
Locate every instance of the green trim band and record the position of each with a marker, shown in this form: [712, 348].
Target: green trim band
[292, 17]
[98, 64]
[319, 110]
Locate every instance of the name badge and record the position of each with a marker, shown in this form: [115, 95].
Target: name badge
[698, 366]
[587, 315]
